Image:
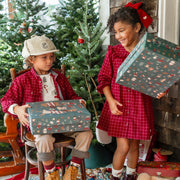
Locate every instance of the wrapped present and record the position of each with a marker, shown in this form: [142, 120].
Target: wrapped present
[152, 67]
[165, 169]
[58, 117]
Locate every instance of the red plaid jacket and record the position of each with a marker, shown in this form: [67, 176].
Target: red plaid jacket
[28, 88]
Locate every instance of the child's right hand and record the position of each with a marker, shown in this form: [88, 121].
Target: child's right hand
[113, 105]
[20, 111]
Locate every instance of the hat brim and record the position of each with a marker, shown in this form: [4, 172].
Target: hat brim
[46, 52]
[162, 151]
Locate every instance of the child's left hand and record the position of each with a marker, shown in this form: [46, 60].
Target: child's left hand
[83, 102]
[160, 95]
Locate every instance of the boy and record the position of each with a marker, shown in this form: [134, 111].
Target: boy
[42, 83]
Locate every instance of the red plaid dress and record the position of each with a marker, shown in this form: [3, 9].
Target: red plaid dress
[137, 121]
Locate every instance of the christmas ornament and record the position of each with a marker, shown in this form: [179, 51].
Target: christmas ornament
[80, 40]
[8, 27]
[30, 28]
[23, 24]
[20, 30]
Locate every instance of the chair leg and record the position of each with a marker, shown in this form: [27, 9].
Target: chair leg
[83, 171]
[27, 168]
[63, 158]
[41, 170]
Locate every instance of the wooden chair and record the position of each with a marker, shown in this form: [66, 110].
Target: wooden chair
[10, 136]
[62, 142]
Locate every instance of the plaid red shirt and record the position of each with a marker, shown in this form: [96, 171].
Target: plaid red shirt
[28, 88]
[137, 121]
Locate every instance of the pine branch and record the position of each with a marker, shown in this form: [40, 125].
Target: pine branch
[96, 114]
[96, 88]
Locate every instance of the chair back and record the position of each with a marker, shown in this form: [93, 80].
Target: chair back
[14, 74]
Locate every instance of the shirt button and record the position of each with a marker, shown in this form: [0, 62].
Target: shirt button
[126, 124]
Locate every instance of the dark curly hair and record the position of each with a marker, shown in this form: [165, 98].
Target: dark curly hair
[130, 15]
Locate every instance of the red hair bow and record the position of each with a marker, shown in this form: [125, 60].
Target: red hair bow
[144, 17]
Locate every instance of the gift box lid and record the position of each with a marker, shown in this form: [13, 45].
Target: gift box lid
[152, 66]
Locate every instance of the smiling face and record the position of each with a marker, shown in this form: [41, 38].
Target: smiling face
[127, 35]
[43, 63]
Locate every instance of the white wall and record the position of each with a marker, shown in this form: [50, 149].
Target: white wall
[104, 15]
[169, 20]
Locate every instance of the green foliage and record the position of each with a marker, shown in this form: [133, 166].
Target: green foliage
[5, 147]
[7, 61]
[86, 66]
[1, 8]
[25, 22]
[66, 17]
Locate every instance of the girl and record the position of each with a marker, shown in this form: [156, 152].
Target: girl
[127, 114]
[42, 83]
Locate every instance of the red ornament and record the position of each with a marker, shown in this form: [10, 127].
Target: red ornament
[80, 40]
[20, 30]
[30, 29]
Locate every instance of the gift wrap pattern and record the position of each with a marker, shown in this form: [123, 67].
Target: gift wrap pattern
[58, 117]
[152, 67]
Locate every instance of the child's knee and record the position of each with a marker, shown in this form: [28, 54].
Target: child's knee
[123, 146]
[89, 134]
[86, 135]
[123, 150]
[44, 143]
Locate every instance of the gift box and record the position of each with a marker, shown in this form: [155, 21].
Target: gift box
[152, 67]
[165, 169]
[58, 117]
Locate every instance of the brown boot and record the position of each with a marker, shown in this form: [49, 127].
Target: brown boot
[53, 176]
[71, 173]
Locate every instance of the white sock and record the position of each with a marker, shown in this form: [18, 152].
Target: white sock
[116, 173]
[51, 170]
[130, 170]
[74, 164]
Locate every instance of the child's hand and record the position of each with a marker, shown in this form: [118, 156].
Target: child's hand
[83, 102]
[160, 95]
[20, 111]
[113, 105]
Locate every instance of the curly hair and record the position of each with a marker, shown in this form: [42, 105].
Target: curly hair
[130, 15]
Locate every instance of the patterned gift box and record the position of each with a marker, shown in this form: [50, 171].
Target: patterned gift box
[152, 67]
[165, 169]
[58, 117]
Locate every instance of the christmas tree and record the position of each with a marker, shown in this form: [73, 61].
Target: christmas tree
[86, 66]
[67, 17]
[24, 22]
[1, 8]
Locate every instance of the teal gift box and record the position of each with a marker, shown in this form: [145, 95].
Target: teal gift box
[50, 117]
[152, 67]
